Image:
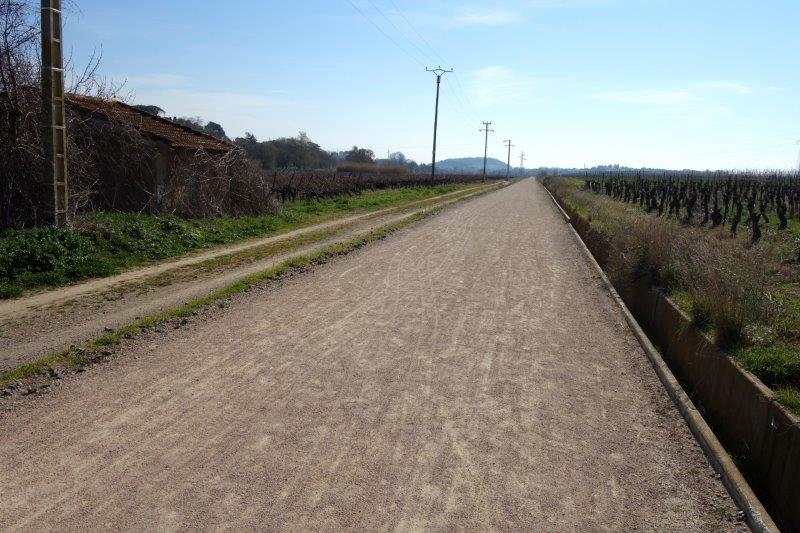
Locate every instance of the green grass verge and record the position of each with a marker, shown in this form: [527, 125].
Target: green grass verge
[77, 357]
[776, 365]
[104, 244]
[789, 398]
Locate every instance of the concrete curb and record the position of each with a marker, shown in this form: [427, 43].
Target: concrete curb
[757, 516]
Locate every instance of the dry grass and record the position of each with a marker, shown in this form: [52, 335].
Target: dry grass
[745, 296]
[727, 284]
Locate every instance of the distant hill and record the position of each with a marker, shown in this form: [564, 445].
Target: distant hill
[471, 165]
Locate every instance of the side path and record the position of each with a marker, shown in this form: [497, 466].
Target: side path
[110, 303]
[469, 371]
[19, 306]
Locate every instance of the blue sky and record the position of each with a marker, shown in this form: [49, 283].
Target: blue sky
[664, 83]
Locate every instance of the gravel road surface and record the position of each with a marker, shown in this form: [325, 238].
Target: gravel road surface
[470, 371]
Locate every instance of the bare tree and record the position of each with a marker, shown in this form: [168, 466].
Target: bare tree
[23, 193]
[20, 155]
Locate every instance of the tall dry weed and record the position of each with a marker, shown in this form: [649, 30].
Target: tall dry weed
[728, 283]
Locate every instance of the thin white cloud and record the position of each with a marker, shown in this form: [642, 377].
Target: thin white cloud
[565, 3]
[728, 86]
[495, 84]
[485, 17]
[655, 98]
[478, 14]
[738, 88]
[207, 104]
[158, 80]
[706, 91]
[237, 112]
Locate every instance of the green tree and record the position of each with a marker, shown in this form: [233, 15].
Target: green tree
[195, 123]
[288, 152]
[212, 128]
[398, 158]
[150, 109]
[360, 155]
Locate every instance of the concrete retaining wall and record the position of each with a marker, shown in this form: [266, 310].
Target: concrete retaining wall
[759, 433]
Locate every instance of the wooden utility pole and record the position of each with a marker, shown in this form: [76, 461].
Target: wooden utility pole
[485, 129]
[439, 72]
[508, 163]
[54, 131]
[522, 161]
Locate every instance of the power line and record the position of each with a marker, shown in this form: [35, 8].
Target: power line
[459, 109]
[455, 97]
[459, 94]
[377, 27]
[412, 43]
[467, 107]
[422, 37]
[459, 97]
[461, 88]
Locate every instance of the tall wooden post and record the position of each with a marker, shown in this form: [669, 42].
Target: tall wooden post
[54, 131]
[508, 163]
[438, 72]
[487, 131]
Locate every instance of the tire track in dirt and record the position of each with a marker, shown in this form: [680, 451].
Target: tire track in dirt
[16, 307]
[469, 371]
[55, 328]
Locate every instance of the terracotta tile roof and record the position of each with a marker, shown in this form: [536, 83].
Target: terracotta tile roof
[176, 135]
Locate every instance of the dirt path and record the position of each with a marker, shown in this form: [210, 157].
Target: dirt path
[14, 308]
[55, 320]
[469, 371]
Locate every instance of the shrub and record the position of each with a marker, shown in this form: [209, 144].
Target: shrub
[702, 315]
[732, 299]
[9, 289]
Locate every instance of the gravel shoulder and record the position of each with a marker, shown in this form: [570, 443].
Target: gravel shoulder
[470, 371]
